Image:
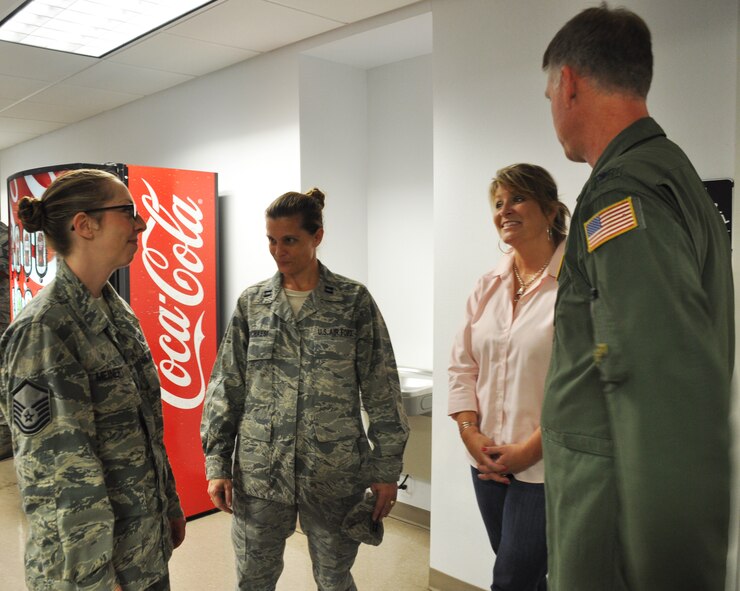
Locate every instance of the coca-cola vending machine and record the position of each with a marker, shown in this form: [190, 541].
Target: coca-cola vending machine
[172, 286]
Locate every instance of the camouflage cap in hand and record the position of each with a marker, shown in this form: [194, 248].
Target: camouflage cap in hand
[358, 524]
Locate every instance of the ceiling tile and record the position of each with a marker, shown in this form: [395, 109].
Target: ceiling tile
[13, 87]
[43, 112]
[12, 124]
[62, 111]
[118, 77]
[95, 99]
[40, 64]
[180, 55]
[346, 11]
[11, 138]
[254, 25]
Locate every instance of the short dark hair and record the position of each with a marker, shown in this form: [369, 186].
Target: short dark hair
[70, 193]
[308, 206]
[535, 182]
[611, 46]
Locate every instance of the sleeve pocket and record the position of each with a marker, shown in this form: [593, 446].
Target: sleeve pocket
[608, 355]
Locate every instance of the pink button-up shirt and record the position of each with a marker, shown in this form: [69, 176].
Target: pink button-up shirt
[500, 357]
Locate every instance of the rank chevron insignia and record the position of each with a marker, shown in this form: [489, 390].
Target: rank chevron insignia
[31, 408]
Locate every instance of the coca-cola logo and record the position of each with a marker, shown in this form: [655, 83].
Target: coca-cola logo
[180, 295]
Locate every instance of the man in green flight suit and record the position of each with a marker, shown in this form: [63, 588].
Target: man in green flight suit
[635, 422]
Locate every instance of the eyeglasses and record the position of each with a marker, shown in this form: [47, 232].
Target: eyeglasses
[129, 208]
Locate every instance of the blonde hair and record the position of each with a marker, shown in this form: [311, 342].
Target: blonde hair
[535, 182]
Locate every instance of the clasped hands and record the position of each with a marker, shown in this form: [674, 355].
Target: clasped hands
[497, 462]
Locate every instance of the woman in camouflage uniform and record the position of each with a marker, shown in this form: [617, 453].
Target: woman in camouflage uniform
[82, 397]
[301, 353]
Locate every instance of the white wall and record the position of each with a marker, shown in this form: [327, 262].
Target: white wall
[400, 197]
[333, 131]
[490, 111]
[366, 141]
[400, 234]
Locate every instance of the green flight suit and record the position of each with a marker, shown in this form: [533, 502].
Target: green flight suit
[635, 422]
[83, 401]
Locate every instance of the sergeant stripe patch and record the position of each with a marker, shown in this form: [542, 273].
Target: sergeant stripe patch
[609, 223]
[31, 408]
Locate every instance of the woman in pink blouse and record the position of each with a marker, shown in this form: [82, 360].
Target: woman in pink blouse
[497, 373]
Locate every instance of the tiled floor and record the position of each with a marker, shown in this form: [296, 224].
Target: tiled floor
[205, 561]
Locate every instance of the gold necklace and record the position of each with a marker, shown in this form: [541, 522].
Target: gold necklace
[524, 285]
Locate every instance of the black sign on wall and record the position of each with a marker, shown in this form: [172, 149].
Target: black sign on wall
[721, 193]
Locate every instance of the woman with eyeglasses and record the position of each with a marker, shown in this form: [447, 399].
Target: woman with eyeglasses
[81, 394]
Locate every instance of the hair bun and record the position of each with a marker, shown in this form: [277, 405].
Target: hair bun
[318, 194]
[31, 213]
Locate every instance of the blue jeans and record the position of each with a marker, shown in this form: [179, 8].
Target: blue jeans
[514, 516]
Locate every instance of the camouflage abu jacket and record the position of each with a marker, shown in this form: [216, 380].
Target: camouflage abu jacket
[285, 395]
[82, 398]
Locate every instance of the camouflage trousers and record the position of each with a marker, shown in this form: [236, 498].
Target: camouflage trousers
[260, 529]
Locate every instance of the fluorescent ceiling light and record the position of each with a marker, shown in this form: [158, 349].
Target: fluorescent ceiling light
[90, 27]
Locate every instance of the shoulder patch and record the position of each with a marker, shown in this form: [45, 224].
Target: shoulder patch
[609, 223]
[31, 408]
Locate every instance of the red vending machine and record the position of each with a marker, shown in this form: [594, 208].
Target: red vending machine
[172, 286]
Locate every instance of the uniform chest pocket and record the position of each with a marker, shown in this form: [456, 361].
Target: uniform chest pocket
[336, 343]
[261, 346]
[114, 393]
[260, 367]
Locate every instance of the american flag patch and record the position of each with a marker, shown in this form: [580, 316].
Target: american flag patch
[609, 223]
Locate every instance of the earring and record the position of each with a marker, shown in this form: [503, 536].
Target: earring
[549, 234]
[502, 250]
